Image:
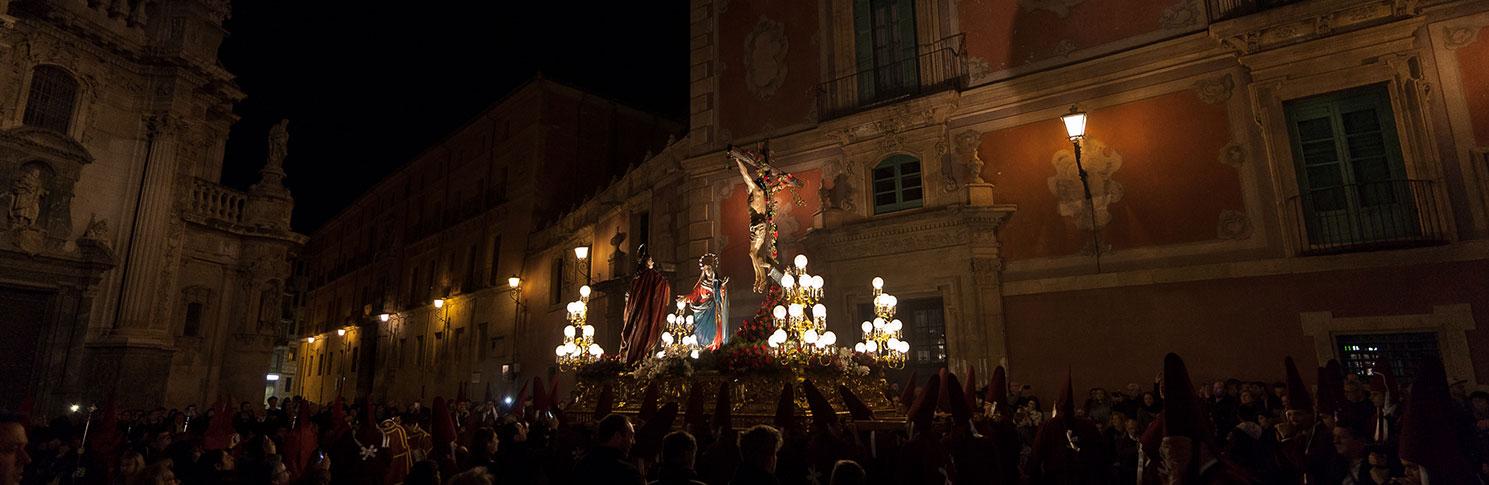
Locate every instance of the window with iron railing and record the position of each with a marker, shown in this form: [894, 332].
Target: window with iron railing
[1228, 9]
[916, 71]
[1353, 192]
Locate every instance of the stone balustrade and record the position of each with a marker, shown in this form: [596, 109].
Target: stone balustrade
[217, 202]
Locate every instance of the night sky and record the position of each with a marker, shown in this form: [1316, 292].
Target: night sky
[369, 85]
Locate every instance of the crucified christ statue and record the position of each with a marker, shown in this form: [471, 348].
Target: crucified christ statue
[761, 181]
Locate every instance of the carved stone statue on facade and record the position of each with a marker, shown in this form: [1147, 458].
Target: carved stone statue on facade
[279, 138]
[617, 255]
[27, 194]
[98, 231]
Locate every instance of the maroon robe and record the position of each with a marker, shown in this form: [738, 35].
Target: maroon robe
[649, 302]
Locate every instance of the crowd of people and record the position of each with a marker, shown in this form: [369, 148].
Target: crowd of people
[1352, 429]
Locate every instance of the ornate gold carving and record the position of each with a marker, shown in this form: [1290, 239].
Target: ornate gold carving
[1306, 21]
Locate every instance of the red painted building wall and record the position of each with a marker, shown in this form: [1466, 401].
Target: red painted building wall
[773, 45]
[1475, 80]
[1239, 327]
[1173, 187]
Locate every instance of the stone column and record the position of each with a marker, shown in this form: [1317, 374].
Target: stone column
[134, 356]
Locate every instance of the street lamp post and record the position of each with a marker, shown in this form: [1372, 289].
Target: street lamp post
[515, 284]
[581, 253]
[1075, 128]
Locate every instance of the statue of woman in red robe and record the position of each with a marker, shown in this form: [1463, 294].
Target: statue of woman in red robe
[648, 302]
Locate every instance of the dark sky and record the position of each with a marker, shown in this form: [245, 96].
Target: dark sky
[368, 85]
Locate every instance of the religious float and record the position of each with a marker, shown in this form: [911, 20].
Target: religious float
[674, 349]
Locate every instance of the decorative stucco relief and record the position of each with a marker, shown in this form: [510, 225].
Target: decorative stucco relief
[1233, 225]
[1456, 37]
[1215, 90]
[1233, 155]
[1101, 163]
[1185, 13]
[843, 191]
[967, 143]
[1058, 7]
[978, 69]
[765, 58]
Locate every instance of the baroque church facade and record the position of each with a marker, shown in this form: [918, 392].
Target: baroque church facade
[1267, 178]
[127, 270]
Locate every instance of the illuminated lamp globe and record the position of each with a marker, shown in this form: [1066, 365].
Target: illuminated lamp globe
[1075, 123]
[810, 336]
[513, 282]
[829, 337]
[878, 323]
[817, 281]
[858, 347]
[595, 350]
[690, 320]
[671, 318]
[589, 331]
[779, 334]
[693, 354]
[779, 312]
[569, 332]
[384, 317]
[340, 332]
[584, 291]
[561, 351]
[819, 310]
[788, 281]
[868, 327]
[439, 302]
[661, 354]
[801, 261]
[878, 283]
[681, 304]
[795, 310]
[871, 346]
[667, 338]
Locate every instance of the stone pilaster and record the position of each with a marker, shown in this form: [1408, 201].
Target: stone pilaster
[133, 359]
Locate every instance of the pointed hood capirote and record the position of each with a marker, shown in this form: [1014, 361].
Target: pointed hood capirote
[822, 413]
[1298, 398]
[605, 402]
[693, 413]
[907, 391]
[969, 392]
[1428, 434]
[785, 418]
[923, 412]
[649, 436]
[1182, 414]
[723, 409]
[856, 406]
[961, 413]
[540, 395]
[648, 402]
[1330, 389]
[997, 390]
[1065, 404]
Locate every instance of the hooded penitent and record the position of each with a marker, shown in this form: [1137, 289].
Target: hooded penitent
[722, 409]
[856, 406]
[1428, 434]
[997, 392]
[907, 391]
[301, 443]
[220, 429]
[339, 426]
[1381, 423]
[520, 404]
[1298, 398]
[970, 391]
[540, 395]
[1182, 415]
[823, 415]
[961, 413]
[1068, 449]
[693, 414]
[1330, 389]
[648, 402]
[922, 413]
[785, 419]
[604, 402]
[649, 437]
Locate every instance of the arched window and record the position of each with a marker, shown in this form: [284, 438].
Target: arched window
[50, 104]
[897, 184]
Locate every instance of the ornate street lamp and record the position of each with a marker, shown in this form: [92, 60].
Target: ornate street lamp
[1075, 128]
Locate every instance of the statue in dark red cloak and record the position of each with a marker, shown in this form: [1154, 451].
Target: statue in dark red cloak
[648, 302]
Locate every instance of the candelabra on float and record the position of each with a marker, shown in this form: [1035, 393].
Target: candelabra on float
[679, 324]
[801, 324]
[579, 347]
[881, 337]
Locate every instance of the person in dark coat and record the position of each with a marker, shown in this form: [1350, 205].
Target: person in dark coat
[1303, 444]
[1188, 447]
[606, 461]
[679, 449]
